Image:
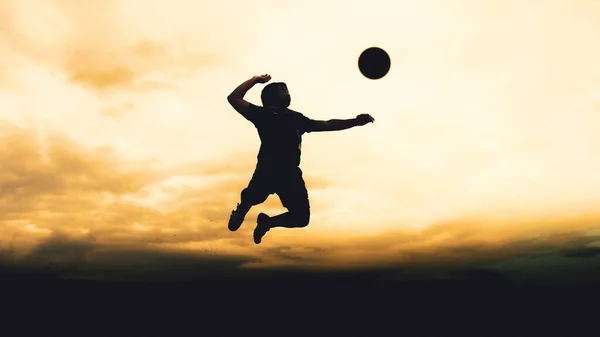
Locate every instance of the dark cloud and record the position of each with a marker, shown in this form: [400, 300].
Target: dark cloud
[583, 253]
[66, 258]
[63, 257]
[283, 252]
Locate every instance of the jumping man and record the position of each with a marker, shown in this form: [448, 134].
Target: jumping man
[277, 171]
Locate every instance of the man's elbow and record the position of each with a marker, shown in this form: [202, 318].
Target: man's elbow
[233, 101]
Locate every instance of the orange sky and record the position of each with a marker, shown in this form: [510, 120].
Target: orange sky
[115, 128]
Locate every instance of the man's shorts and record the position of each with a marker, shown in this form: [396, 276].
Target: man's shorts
[287, 183]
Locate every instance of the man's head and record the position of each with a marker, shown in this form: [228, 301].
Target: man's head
[276, 94]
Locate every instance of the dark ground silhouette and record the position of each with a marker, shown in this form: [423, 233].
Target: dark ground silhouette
[209, 294]
[330, 303]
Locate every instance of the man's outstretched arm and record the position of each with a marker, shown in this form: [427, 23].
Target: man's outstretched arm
[236, 98]
[341, 124]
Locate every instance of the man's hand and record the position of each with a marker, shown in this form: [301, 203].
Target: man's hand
[363, 119]
[262, 78]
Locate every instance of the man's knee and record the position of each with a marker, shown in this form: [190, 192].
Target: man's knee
[301, 218]
[253, 197]
[246, 195]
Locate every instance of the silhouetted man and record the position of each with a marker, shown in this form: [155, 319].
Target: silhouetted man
[277, 171]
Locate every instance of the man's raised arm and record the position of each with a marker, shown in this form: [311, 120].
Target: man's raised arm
[341, 124]
[236, 98]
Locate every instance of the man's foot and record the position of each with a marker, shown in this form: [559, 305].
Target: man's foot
[236, 219]
[262, 227]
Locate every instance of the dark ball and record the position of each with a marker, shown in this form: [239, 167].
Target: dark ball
[374, 63]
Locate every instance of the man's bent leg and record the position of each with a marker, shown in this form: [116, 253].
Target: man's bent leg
[294, 197]
[256, 193]
[296, 217]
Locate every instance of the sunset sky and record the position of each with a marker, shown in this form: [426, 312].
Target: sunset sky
[118, 146]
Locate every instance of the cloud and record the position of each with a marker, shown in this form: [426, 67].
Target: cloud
[33, 168]
[52, 184]
[70, 230]
[109, 45]
[145, 65]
